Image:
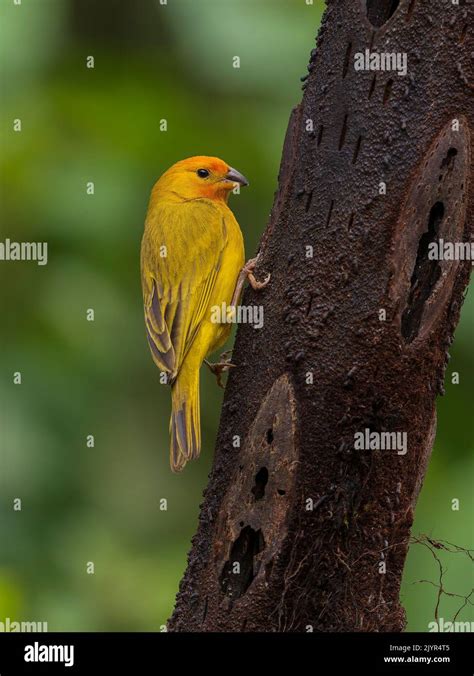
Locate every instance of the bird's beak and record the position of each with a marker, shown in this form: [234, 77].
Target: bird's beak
[236, 177]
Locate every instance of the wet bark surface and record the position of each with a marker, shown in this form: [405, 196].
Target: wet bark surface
[296, 523]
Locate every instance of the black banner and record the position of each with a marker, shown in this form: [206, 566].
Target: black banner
[87, 653]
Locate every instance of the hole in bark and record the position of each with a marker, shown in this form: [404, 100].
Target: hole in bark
[329, 213]
[342, 137]
[308, 201]
[238, 572]
[356, 150]
[346, 60]
[351, 221]
[372, 38]
[425, 275]
[372, 85]
[261, 480]
[320, 135]
[380, 11]
[387, 91]
[411, 7]
[270, 436]
[281, 492]
[448, 161]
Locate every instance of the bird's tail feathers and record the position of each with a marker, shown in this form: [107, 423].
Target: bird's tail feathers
[185, 423]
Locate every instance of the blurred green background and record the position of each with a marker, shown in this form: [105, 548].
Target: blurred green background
[102, 504]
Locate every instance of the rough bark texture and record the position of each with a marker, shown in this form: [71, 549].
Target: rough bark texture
[320, 567]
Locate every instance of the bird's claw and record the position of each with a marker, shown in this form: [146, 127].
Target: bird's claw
[248, 268]
[218, 368]
[255, 284]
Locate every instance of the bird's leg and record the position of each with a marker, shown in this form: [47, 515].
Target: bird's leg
[247, 273]
[225, 364]
[220, 367]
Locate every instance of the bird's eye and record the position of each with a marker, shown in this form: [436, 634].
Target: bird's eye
[202, 173]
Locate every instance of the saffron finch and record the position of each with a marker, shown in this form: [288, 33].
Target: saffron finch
[192, 259]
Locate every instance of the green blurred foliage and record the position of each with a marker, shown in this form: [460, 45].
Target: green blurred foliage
[102, 504]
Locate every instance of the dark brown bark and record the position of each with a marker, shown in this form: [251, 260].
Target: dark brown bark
[319, 568]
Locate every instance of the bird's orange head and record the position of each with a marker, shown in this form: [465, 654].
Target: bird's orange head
[199, 177]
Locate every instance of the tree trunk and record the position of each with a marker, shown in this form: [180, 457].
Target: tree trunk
[300, 529]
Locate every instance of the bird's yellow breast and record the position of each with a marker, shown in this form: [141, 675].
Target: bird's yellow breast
[232, 261]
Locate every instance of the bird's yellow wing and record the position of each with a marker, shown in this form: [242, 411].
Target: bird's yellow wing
[180, 259]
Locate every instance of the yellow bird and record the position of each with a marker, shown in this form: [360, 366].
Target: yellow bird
[192, 259]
